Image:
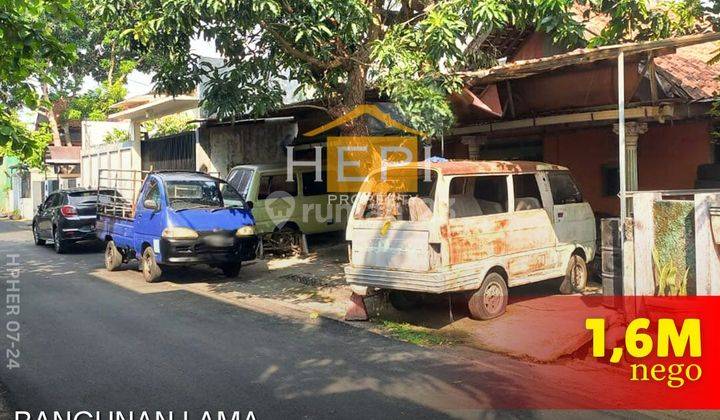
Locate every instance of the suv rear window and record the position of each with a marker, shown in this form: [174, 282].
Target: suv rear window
[86, 197]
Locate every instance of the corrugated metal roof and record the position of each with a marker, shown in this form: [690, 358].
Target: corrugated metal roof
[525, 68]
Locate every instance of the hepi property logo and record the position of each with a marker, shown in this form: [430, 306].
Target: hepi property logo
[352, 158]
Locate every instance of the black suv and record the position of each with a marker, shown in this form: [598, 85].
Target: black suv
[66, 216]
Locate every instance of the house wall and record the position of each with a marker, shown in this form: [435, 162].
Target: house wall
[222, 147]
[668, 157]
[6, 182]
[96, 154]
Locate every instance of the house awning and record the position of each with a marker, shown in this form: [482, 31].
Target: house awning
[524, 68]
[63, 155]
[157, 108]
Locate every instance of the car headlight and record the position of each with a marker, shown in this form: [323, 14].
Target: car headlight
[245, 231]
[179, 233]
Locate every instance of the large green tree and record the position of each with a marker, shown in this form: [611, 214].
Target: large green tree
[31, 55]
[98, 57]
[410, 50]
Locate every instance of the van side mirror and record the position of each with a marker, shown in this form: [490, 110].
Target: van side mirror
[151, 205]
[250, 205]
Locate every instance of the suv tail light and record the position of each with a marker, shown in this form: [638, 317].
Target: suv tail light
[68, 211]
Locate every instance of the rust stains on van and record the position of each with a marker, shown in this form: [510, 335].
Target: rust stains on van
[461, 167]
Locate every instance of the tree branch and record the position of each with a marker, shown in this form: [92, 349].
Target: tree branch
[288, 48]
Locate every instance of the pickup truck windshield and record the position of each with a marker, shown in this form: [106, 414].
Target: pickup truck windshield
[183, 195]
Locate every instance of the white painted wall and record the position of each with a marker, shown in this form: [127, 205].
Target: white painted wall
[96, 154]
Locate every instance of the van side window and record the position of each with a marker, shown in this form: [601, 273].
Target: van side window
[312, 187]
[273, 183]
[478, 196]
[527, 193]
[153, 192]
[563, 187]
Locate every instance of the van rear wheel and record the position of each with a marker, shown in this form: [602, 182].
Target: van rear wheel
[576, 276]
[490, 300]
[113, 257]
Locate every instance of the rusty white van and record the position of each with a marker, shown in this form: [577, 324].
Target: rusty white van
[476, 227]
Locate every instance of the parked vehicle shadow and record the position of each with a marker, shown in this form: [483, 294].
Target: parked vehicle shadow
[85, 247]
[439, 311]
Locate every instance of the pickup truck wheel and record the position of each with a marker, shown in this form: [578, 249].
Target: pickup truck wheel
[490, 300]
[576, 276]
[36, 236]
[404, 301]
[113, 257]
[231, 270]
[59, 244]
[150, 268]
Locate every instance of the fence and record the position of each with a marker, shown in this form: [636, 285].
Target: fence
[672, 231]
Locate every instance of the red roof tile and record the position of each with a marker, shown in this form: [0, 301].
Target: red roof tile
[688, 68]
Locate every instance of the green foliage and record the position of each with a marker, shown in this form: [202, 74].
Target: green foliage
[417, 335]
[17, 140]
[171, 124]
[95, 104]
[631, 20]
[410, 50]
[116, 135]
[29, 52]
[667, 280]
[674, 247]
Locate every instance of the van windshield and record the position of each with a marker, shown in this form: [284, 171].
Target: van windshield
[183, 195]
[241, 180]
[405, 194]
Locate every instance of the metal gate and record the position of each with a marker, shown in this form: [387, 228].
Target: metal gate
[173, 152]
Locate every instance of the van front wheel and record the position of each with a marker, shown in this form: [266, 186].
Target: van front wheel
[490, 300]
[150, 268]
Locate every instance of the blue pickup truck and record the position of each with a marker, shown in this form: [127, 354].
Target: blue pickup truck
[174, 218]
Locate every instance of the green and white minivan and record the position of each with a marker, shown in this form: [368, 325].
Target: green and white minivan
[285, 211]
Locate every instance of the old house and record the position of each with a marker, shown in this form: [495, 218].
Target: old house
[562, 108]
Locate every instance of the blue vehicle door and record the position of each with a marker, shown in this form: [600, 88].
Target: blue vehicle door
[149, 223]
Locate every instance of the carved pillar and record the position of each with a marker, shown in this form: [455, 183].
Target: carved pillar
[474, 144]
[633, 130]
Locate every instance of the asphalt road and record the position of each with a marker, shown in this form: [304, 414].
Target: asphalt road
[92, 344]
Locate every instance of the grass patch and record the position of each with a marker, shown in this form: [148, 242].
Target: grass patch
[417, 335]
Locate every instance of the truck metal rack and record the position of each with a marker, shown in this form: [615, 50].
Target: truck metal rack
[118, 190]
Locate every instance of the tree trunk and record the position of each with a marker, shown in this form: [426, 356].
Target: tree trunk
[111, 68]
[50, 114]
[353, 95]
[66, 130]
